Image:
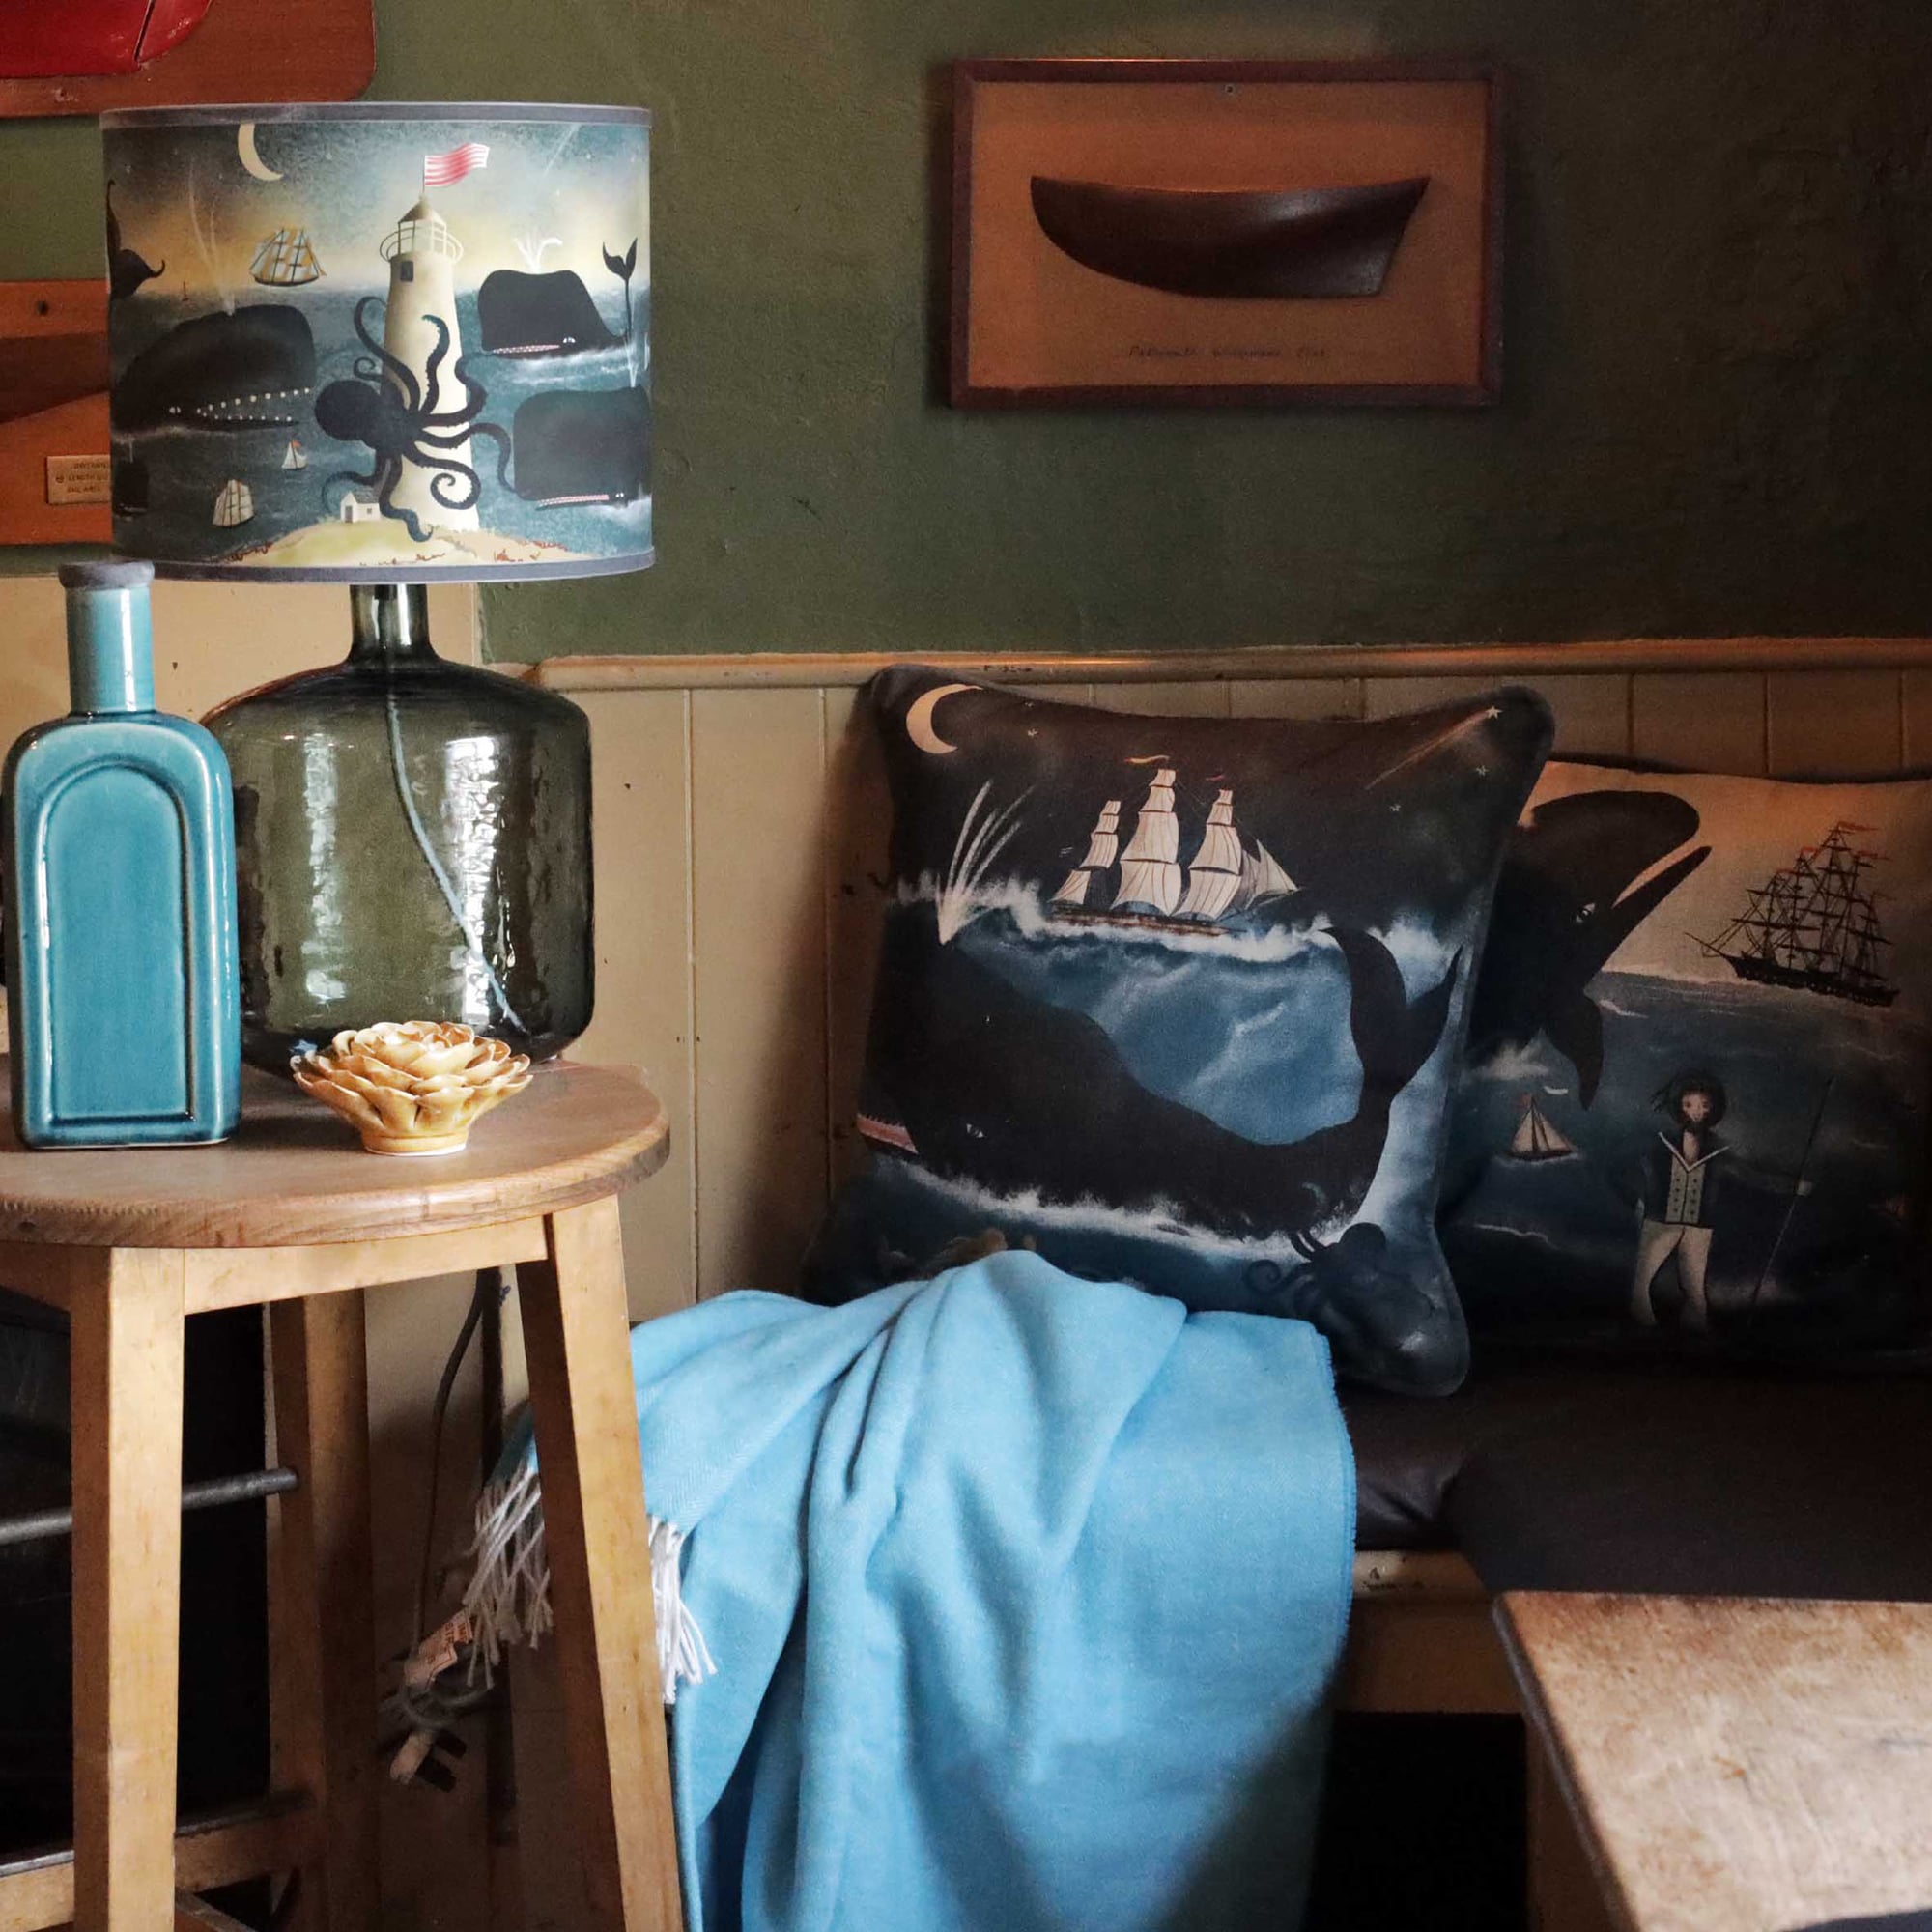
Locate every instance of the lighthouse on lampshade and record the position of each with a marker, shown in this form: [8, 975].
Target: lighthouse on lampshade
[421, 332]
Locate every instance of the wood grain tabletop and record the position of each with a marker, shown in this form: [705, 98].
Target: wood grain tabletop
[1738, 1765]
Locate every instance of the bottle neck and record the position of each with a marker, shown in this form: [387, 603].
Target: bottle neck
[110, 650]
[389, 622]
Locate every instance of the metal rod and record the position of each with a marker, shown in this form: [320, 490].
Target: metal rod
[266, 1811]
[211, 1494]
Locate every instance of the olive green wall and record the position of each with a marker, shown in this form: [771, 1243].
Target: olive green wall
[1717, 415]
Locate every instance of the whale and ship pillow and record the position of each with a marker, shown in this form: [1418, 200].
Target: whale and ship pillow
[1178, 1001]
[1693, 1110]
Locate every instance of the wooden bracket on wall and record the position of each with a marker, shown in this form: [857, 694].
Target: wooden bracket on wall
[53, 412]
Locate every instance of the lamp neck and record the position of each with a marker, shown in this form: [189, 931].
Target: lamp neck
[389, 622]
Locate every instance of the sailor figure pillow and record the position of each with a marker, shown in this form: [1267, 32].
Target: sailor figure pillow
[1694, 1111]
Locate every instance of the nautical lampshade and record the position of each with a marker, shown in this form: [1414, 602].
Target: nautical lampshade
[381, 342]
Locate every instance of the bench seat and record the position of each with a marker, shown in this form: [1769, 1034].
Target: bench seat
[1657, 1476]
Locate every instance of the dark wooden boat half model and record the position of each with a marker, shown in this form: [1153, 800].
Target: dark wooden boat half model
[1232, 242]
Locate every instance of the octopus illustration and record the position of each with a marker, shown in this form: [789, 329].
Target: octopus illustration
[387, 408]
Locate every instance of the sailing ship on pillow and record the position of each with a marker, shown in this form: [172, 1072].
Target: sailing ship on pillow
[1177, 1001]
[1695, 1107]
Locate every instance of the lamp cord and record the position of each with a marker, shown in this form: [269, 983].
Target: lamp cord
[444, 883]
[434, 1706]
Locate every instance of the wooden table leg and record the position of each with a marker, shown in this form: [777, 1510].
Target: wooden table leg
[575, 1336]
[325, 1625]
[125, 1380]
[1566, 1893]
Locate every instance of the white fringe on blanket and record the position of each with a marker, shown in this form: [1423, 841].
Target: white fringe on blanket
[508, 1598]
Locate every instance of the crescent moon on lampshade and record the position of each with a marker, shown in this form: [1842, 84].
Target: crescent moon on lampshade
[244, 146]
[919, 719]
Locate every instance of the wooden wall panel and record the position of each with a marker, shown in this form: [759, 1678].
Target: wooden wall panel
[1916, 706]
[1296, 698]
[856, 887]
[641, 806]
[1593, 715]
[1833, 724]
[757, 840]
[1190, 699]
[1389, 697]
[1702, 721]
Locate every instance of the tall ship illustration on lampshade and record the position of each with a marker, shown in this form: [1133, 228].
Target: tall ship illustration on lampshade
[286, 259]
[1146, 884]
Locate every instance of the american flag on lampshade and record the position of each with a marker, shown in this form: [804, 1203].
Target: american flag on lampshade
[335, 354]
[441, 170]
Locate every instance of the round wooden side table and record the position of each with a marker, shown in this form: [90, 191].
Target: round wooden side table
[294, 1215]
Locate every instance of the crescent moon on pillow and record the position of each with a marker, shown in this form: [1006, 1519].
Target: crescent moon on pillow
[919, 719]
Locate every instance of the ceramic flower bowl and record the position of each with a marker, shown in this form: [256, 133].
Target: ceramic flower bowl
[414, 1086]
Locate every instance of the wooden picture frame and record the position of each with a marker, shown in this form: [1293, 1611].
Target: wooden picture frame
[1217, 233]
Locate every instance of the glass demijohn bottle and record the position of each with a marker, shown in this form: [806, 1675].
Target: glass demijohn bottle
[412, 841]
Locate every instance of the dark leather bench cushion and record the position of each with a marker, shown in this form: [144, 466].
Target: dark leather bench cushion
[1668, 1477]
[1890, 1922]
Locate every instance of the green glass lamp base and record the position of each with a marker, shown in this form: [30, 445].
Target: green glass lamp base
[413, 844]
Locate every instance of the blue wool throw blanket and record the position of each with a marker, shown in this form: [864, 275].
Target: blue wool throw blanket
[1025, 1596]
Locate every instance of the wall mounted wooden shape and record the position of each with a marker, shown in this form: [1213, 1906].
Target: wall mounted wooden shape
[54, 409]
[1225, 232]
[92, 36]
[161, 53]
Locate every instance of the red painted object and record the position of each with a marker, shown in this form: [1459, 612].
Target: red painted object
[45, 37]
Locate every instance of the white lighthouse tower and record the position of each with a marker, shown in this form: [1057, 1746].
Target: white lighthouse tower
[422, 255]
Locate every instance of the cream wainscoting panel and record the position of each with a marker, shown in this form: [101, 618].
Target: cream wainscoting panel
[758, 822]
[859, 833]
[742, 834]
[1833, 724]
[211, 641]
[1179, 699]
[1917, 703]
[1297, 698]
[640, 809]
[1704, 720]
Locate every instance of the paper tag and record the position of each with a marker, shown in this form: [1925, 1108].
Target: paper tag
[437, 1650]
[80, 479]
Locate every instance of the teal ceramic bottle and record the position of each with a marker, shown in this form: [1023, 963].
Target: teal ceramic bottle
[119, 853]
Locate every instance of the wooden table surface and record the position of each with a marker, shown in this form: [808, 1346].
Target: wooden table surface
[296, 1173]
[1737, 1765]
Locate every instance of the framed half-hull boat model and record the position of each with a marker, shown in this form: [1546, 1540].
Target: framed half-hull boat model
[1225, 232]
